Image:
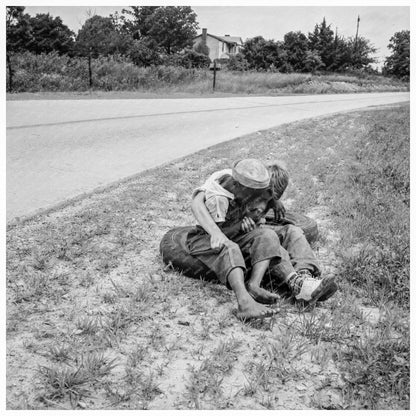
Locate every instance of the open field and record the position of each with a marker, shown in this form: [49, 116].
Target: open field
[95, 320]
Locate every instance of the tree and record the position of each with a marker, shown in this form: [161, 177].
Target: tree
[312, 61]
[172, 27]
[262, 54]
[321, 40]
[18, 29]
[140, 23]
[49, 34]
[398, 63]
[360, 51]
[18, 34]
[100, 36]
[144, 53]
[295, 45]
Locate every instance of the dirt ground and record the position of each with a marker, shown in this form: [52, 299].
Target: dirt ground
[95, 320]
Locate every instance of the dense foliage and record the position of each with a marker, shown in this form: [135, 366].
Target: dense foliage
[398, 63]
[320, 50]
[40, 34]
[100, 36]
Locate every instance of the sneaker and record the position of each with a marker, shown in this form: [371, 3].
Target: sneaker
[310, 289]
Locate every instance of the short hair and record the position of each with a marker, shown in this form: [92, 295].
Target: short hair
[279, 180]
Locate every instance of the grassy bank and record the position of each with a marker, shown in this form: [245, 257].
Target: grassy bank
[54, 73]
[95, 320]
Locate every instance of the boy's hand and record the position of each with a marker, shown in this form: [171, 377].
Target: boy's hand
[248, 224]
[279, 210]
[218, 240]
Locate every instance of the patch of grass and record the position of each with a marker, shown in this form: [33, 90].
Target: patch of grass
[87, 279]
[142, 384]
[65, 382]
[87, 325]
[149, 387]
[378, 370]
[61, 353]
[96, 364]
[137, 356]
[73, 381]
[109, 297]
[205, 382]
[117, 394]
[118, 322]
[276, 363]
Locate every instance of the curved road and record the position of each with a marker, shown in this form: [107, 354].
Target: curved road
[59, 149]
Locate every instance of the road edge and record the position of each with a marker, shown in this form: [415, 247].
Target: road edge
[20, 220]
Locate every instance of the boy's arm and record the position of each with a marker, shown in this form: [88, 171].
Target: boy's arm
[202, 215]
[278, 208]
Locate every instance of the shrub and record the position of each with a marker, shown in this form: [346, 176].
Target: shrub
[193, 59]
[237, 63]
[202, 48]
[144, 54]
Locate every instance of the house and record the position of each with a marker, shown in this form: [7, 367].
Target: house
[219, 46]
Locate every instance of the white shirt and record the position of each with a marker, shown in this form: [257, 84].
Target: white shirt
[217, 199]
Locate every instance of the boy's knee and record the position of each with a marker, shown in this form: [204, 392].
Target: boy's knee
[267, 234]
[294, 231]
[233, 251]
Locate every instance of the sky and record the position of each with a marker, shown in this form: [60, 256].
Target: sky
[377, 23]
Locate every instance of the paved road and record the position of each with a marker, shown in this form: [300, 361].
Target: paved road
[60, 149]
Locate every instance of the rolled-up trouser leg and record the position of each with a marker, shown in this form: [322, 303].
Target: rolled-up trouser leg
[259, 244]
[220, 261]
[254, 246]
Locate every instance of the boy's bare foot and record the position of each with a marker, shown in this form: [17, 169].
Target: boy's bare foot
[261, 295]
[250, 309]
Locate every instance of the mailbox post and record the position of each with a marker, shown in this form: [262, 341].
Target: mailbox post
[215, 74]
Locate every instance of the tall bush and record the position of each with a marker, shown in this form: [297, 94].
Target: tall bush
[398, 63]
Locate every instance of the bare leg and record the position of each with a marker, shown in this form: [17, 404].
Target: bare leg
[247, 307]
[253, 286]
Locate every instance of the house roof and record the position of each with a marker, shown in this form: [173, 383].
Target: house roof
[231, 39]
[226, 39]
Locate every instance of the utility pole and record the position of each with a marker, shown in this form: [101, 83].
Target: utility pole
[356, 34]
[354, 59]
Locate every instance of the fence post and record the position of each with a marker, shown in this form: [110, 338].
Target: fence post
[9, 64]
[215, 74]
[89, 67]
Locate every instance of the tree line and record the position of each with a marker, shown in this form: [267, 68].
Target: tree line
[163, 35]
[321, 49]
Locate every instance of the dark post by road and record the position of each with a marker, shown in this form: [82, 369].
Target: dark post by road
[89, 67]
[215, 74]
[9, 65]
